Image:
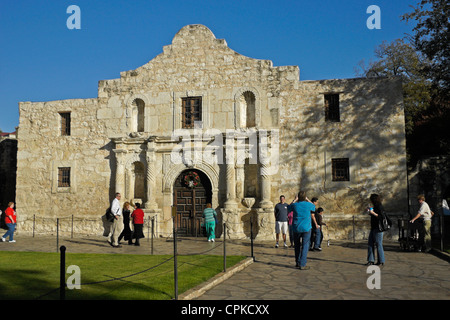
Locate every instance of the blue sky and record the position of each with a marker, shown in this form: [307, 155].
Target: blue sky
[42, 60]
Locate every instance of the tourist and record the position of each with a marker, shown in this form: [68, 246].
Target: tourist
[375, 236]
[318, 236]
[117, 226]
[424, 216]
[138, 224]
[291, 229]
[281, 220]
[127, 233]
[314, 225]
[301, 223]
[210, 215]
[11, 221]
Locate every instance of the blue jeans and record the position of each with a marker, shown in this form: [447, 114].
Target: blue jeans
[291, 234]
[301, 243]
[317, 238]
[375, 239]
[10, 232]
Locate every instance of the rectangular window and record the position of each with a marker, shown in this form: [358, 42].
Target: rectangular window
[64, 177]
[332, 107]
[65, 123]
[340, 169]
[192, 111]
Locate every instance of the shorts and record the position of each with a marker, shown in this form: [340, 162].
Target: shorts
[281, 227]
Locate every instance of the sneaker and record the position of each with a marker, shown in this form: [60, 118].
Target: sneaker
[212, 240]
[12, 241]
[276, 246]
[3, 239]
[305, 268]
[285, 245]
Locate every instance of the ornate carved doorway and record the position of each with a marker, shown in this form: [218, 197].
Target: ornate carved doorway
[191, 193]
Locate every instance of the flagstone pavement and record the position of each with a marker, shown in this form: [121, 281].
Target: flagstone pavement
[338, 272]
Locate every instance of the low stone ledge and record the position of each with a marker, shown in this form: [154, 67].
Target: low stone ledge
[217, 279]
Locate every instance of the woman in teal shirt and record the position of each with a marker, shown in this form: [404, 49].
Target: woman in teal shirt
[210, 222]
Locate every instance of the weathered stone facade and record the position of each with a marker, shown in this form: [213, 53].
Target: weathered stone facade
[124, 139]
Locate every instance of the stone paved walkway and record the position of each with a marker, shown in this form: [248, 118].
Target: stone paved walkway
[337, 272]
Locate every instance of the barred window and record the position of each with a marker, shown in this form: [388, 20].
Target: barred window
[340, 169]
[65, 123]
[332, 107]
[192, 111]
[64, 177]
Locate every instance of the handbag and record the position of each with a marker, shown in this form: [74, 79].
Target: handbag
[109, 215]
[385, 223]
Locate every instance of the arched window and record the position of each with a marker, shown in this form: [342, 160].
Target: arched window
[138, 115]
[247, 103]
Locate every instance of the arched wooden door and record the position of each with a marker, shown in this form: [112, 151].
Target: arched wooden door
[191, 193]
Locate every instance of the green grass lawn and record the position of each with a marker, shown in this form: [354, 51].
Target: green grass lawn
[33, 275]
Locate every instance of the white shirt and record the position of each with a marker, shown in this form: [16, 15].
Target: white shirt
[115, 207]
[425, 211]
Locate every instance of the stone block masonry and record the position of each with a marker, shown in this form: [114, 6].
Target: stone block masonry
[340, 140]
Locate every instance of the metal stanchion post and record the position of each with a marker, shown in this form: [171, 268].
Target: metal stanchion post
[353, 229]
[148, 231]
[57, 234]
[251, 238]
[175, 262]
[441, 224]
[153, 231]
[224, 248]
[71, 233]
[62, 272]
[34, 223]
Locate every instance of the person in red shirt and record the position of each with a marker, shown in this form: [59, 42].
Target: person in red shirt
[138, 223]
[10, 220]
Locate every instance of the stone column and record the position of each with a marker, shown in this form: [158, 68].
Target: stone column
[265, 187]
[230, 213]
[129, 183]
[240, 176]
[265, 216]
[120, 170]
[151, 177]
[230, 203]
[265, 169]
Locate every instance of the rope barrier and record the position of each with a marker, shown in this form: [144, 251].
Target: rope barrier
[217, 245]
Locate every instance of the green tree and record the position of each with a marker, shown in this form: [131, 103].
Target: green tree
[432, 39]
[399, 59]
[423, 63]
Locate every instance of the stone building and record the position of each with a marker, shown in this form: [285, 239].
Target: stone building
[202, 123]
